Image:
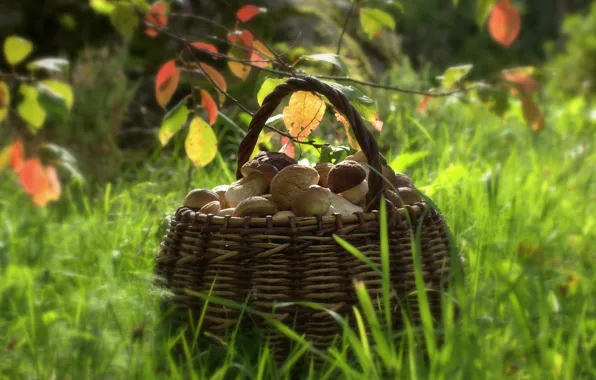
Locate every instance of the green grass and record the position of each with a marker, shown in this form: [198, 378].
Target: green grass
[76, 299]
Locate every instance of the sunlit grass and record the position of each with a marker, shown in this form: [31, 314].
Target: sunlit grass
[76, 294]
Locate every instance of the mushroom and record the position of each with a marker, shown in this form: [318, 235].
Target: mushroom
[290, 182]
[283, 214]
[225, 211]
[313, 201]
[198, 198]
[358, 157]
[408, 196]
[211, 208]
[342, 206]
[255, 206]
[402, 180]
[250, 186]
[348, 179]
[277, 159]
[323, 169]
[256, 166]
[221, 193]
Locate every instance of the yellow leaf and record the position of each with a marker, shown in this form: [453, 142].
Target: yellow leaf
[349, 131]
[303, 114]
[262, 49]
[201, 143]
[62, 89]
[29, 109]
[238, 69]
[16, 49]
[5, 157]
[4, 100]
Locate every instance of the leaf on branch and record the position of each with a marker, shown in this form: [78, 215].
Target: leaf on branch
[423, 103]
[243, 36]
[453, 75]
[483, 8]
[504, 23]
[521, 76]
[124, 18]
[239, 69]
[29, 109]
[363, 104]
[4, 100]
[32, 176]
[173, 121]
[206, 47]
[54, 65]
[210, 106]
[16, 49]
[287, 147]
[349, 131]
[17, 155]
[53, 103]
[262, 49]
[247, 12]
[201, 143]
[303, 114]
[333, 59]
[266, 88]
[62, 89]
[166, 82]
[156, 17]
[373, 20]
[51, 189]
[217, 78]
[377, 123]
[532, 114]
[102, 6]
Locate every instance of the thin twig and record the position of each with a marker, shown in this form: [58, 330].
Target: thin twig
[343, 31]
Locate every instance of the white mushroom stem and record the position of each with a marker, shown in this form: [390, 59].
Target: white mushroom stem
[342, 206]
[357, 193]
[250, 186]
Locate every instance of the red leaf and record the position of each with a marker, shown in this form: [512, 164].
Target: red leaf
[377, 124]
[210, 106]
[166, 83]
[504, 23]
[248, 11]
[521, 76]
[287, 146]
[203, 46]
[156, 17]
[244, 36]
[423, 103]
[32, 176]
[257, 59]
[17, 155]
[217, 78]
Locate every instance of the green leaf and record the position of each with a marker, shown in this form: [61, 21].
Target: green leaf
[52, 103]
[29, 109]
[173, 121]
[405, 160]
[201, 143]
[483, 8]
[62, 89]
[16, 49]
[268, 85]
[125, 19]
[56, 65]
[363, 104]
[333, 59]
[373, 20]
[4, 100]
[453, 75]
[102, 6]
[333, 154]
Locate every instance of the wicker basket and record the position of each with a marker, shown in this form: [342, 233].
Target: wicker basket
[268, 261]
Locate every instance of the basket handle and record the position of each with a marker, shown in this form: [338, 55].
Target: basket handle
[365, 138]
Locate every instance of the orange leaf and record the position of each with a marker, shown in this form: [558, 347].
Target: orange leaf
[257, 59]
[532, 113]
[262, 49]
[248, 11]
[32, 176]
[504, 23]
[377, 124]
[244, 36]
[17, 155]
[349, 132]
[287, 147]
[166, 82]
[210, 106]
[203, 46]
[54, 188]
[523, 77]
[156, 17]
[217, 78]
[423, 103]
[303, 114]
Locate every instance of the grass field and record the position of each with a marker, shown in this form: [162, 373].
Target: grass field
[76, 300]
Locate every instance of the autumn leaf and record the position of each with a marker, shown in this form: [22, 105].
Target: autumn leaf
[16, 49]
[173, 121]
[217, 78]
[239, 69]
[29, 109]
[423, 103]
[50, 190]
[206, 47]
[4, 100]
[248, 11]
[377, 123]
[268, 85]
[201, 143]
[32, 176]
[156, 17]
[522, 76]
[287, 147]
[532, 114]
[17, 155]
[349, 131]
[504, 23]
[166, 83]
[243, 36]
[210, 106]
[262, 49]
[303, 114]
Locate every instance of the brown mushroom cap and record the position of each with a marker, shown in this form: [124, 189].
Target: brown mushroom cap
[408, 196]
[252, 185]
[290, 182]
[255, 166]
[402, 180]
[221, 193]
[211, 208]
[255, 206]
[345, 175]
[323, 169]
[277, 159]
[198, 198]
[313, 201]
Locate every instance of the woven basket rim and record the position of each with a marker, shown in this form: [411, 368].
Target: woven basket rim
[186, 213]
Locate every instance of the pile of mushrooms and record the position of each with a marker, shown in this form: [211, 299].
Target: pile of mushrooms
[275, 184]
